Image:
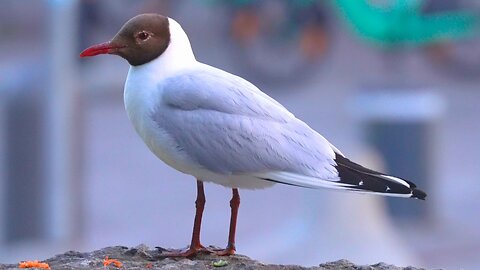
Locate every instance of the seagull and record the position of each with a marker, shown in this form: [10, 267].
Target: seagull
[221, 128]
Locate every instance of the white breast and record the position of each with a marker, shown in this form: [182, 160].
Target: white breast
[141, 97]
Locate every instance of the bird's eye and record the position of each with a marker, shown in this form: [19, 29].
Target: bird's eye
[143, 35]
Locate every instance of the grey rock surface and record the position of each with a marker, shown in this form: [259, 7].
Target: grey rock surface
[141, 257]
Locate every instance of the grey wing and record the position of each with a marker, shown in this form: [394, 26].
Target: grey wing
[227, 127]
[217, 90]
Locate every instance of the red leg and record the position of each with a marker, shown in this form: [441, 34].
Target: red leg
[195, 245]
[234, 204]
[199, 205]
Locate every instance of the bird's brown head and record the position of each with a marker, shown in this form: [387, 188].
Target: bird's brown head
[140, 40]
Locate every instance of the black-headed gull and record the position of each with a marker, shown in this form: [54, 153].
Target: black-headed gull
[220, 128]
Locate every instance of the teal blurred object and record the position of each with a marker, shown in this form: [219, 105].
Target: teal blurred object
[401, 22]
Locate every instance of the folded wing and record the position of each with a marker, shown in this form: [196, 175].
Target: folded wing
[227, 126]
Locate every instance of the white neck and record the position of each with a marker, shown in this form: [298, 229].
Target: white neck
[177, 56]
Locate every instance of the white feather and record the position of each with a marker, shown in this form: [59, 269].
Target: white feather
[395, 179]
[303, 180]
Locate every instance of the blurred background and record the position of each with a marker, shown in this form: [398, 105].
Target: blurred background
[393, 84]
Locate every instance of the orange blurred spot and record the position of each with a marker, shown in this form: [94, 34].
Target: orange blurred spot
[33, 264]
[245, 26]
[149, 265]
[313, 41]
[107, 262]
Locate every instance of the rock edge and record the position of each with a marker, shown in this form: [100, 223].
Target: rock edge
[141, 257]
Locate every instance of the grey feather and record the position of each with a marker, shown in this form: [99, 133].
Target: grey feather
[227, 126]
[211, 91]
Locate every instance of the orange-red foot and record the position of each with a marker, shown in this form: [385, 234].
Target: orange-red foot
[190, 252]
[230, 250]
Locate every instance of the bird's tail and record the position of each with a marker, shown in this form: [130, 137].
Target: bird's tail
[355, 177]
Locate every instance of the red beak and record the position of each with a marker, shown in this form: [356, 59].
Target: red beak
[103, 48]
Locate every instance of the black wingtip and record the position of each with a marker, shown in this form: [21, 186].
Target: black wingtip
[419, 194]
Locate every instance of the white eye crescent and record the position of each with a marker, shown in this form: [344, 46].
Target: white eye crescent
[143, 35]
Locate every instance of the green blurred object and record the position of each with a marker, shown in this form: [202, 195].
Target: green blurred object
[401, 22]
[220, 263]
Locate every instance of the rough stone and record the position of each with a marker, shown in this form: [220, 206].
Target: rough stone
[141, 257]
